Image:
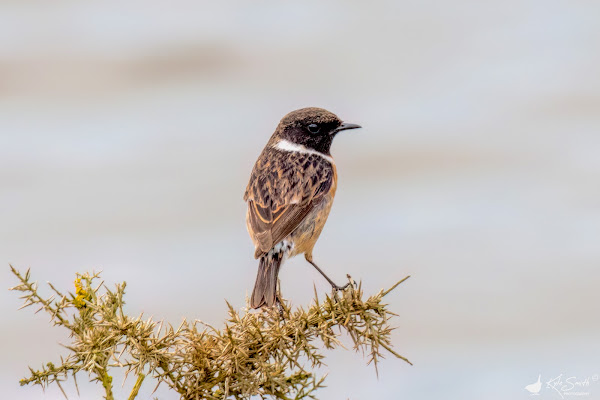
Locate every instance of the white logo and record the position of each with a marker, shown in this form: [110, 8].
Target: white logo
[535, 388]
[564, 386]
[571, 386]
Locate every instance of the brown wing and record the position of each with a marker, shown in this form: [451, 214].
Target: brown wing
[283, 189]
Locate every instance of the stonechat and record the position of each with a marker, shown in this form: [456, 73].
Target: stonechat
[290, 194]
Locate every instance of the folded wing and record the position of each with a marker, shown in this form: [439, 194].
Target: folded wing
[281, 192]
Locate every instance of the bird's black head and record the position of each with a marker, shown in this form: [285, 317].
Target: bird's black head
[311, 127]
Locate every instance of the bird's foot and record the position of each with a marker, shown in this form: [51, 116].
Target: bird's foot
[338, 288]
[351, 282]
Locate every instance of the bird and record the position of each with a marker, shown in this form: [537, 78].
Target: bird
[289, 195]
[535, 388]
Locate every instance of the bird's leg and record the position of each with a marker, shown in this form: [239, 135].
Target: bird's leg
[333, 285]
[280, 308]
[279, 302]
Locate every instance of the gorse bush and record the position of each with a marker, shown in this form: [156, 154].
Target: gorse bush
[267, 353]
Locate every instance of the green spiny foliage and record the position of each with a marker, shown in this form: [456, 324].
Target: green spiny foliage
[268, 353]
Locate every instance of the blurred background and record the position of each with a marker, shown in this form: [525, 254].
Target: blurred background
[128, 132]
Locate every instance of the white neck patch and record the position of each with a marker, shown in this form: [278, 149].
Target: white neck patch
[286, 145]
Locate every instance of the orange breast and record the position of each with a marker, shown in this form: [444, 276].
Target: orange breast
[306, 235]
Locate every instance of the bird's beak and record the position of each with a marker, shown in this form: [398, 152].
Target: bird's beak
[344, 127]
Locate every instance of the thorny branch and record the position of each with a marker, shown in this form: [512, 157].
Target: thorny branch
[255, 353]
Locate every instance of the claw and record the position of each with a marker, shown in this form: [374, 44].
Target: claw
[336, 287]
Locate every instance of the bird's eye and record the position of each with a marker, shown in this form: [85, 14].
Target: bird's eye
[313, 128]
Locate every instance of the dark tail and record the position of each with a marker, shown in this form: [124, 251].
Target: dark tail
[265, 288]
